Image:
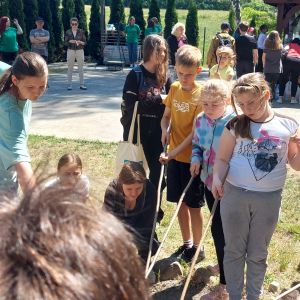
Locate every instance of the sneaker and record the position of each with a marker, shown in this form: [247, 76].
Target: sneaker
[179, 251]
[189, 253]
[69, 88]
[83, 87]
[279, 100]
[294, 101]
[219, 293]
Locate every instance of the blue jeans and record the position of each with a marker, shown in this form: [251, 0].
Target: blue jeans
[132, 52]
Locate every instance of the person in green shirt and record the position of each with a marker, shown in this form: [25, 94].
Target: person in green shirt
[132, 32]
[157, 26]
[8, 39]
[150, 28]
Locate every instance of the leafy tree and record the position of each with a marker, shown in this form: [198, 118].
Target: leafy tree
[57, 26]
[94, 42]
[81, 15]
[237, 8]
[30, 14]
[16, 12]
[232, 20]
[192, 27]
[117, 14]
[4, 11]
[136, 10]
[171, 18]
[154, 10]
[68, 12]
[45, 13]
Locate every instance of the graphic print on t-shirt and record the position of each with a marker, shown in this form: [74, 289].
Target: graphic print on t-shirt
[263, 154]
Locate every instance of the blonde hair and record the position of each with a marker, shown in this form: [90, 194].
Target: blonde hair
[273, 41]
[254, 84]
[215, 88]
[176, 26]
[188, 55]
[228, 51]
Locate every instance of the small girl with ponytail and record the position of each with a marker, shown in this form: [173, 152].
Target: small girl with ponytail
[254, 149]
[20, 85]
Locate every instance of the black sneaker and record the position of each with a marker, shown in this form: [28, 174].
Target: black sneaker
[189, 253]
[179, 251]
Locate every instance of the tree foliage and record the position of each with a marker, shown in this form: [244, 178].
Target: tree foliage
[171, 18]
[154, 10]
[16, 12]
[232, 20]
[136, 10]
[192, 27]
[117, 14]
[4, 11]
[30, 14]
[94, 42]
[57, 27]
[81, 15]
[68, 12]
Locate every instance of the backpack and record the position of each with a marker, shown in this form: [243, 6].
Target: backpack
[224, 41]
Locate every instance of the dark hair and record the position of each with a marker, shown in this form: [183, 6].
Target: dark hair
[3, 21]
[73, 19]
[26, 64]
[53, 248]
[255, 84]
[152, 44]
[263, 27]
[132, 172]
[151, 23]
[69, 158]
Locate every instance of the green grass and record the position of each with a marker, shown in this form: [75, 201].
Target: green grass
[98, 164]
[211, 19]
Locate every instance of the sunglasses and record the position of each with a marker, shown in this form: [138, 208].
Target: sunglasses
[74, 24]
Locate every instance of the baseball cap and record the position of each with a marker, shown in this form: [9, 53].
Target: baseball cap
[225, 25]
[39, 19]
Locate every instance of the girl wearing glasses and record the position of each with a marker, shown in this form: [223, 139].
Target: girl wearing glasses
[254, 149]
[75, 40]
[69, 175]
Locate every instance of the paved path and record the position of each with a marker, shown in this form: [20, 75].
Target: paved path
[93, 114]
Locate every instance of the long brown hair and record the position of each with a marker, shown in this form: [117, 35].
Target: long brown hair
[153, 44]
[273, 41]
[26, 64]
[55, 247]
[131, 173]
[254, 84]
[69, 158]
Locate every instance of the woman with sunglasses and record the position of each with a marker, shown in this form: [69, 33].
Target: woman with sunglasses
[75, 40]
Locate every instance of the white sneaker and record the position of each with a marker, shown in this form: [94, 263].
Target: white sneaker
[279, 100]
[294, 101]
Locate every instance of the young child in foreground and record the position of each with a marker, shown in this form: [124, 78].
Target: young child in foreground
[223, 70]
[209, 125]
[181, 110]
[69, 175]
[254, 149]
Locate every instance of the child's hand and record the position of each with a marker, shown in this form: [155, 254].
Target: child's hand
[194, 169]
[217, 188]
[163, 159]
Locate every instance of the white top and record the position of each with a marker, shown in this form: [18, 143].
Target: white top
[82, 187]
[260, 165]
[261, 41]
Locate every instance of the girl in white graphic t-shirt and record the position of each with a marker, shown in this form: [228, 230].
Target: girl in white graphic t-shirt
[254, 149]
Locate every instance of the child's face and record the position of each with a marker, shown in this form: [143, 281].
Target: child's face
[214, 108]
[253, 106]
[69, 175]
[223, 59]
[187, 76]
[132, 191]
[30, 87]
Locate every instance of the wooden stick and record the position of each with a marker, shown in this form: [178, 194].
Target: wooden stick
[194, 261]
[287, 292]
[169, 227]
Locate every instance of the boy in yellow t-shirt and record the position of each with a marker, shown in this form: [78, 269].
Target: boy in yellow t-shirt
[181, 110]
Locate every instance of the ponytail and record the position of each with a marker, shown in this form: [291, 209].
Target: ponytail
[6, 81]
